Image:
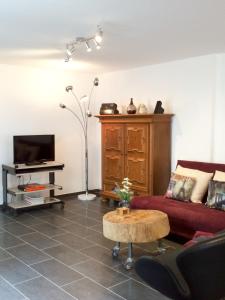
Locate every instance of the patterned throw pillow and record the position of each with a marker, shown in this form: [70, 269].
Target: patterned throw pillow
[180, 187]
[216, 195]
[201, 184]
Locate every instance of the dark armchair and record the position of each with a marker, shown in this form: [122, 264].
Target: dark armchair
[196, 273]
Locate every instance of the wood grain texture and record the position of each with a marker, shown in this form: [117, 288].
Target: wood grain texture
[137, 147]
[139, 226]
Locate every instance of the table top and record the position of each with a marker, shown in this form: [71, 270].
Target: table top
[139, 226]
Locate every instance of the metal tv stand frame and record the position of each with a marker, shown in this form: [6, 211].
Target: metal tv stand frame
[22, 169]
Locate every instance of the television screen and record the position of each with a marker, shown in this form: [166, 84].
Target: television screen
[33, 148]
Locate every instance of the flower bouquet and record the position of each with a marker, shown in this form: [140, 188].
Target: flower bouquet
[125, 194]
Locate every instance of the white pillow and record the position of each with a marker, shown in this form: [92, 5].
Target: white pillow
[201, 185]
[219, 176]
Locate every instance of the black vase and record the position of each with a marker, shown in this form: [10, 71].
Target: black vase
[131, 109]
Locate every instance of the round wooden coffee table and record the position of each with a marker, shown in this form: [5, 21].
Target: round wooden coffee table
[139, 226]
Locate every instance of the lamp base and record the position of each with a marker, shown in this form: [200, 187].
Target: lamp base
[86, 197]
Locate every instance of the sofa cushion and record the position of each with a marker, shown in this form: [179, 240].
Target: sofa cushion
[219, 176]
[198, 237]
[180, 187]
[216, 195]
[202, 180]
[185, 217]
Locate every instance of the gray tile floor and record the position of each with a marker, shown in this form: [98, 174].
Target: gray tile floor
[53, 254]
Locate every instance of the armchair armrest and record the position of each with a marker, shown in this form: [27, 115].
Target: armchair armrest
[162, 274]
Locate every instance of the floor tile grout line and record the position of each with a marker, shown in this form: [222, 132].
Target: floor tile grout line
[91, 279]
[112, 268]
[112, 286]
[87, 255]
[18, 245]
[74, 281]
[52, 257]
[41, 261]
[47, 236]
[51, 283]
[12, 286]
[22, 224]
[30, 266]
[27, 280]
[41, 275]
[8, 258]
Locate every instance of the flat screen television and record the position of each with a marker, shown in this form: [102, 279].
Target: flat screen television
[31, 149]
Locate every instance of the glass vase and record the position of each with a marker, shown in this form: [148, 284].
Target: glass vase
[124, 203]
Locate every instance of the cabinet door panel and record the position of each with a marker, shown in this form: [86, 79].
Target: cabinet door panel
[113, 152]
[136, 154]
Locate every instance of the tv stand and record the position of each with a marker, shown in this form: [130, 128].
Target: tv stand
[35, 163]
[22, 169]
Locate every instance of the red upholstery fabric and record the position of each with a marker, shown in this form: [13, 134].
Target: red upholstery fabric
[185, 217]
[202, 166]
[198, 236]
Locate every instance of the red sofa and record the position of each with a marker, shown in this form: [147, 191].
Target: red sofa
[186, 217]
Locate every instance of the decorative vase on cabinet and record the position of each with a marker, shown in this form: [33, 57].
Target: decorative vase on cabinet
[131, 109]
[137, 147]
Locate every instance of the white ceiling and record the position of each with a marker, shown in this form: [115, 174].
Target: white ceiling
[136, 32]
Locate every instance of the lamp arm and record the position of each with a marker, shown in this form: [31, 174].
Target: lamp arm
[79, 120]
[89, 100]
[78, 102]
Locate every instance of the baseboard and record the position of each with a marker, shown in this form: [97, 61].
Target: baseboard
[70, 195]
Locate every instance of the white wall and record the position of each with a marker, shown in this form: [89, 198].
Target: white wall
[188, 89]
[219, 111]
[30, 105]
[192, 89]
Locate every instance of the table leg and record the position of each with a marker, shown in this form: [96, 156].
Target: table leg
[130, 261]
[116, 249]
[161, 248]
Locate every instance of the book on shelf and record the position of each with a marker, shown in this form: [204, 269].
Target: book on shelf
[34, 200]
[31, 187]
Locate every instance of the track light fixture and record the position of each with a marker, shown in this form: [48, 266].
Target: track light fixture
[72, 47]
[88, 46]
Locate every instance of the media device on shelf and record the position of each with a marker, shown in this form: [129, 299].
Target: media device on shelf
[33, 149]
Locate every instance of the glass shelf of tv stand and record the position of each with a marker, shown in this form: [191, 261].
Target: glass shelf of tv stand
[48, 187]
[22, 203]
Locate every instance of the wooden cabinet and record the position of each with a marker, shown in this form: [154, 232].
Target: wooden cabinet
[137, 147]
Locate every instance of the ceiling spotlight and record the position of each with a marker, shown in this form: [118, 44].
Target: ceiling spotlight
[80, 41]
[88, 46]
[97, 45]
[99, 34]
[70, 49]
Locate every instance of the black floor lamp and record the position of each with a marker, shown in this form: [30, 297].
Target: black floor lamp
[82, 117]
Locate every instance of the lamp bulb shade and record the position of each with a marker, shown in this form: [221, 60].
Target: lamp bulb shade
[98, 38]
[68, 58]
[62, 105]
[99, 34]
[97, 45]
[96, 81]
[68, 51]
[88, 46]
[89, 114]
[69, 88]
